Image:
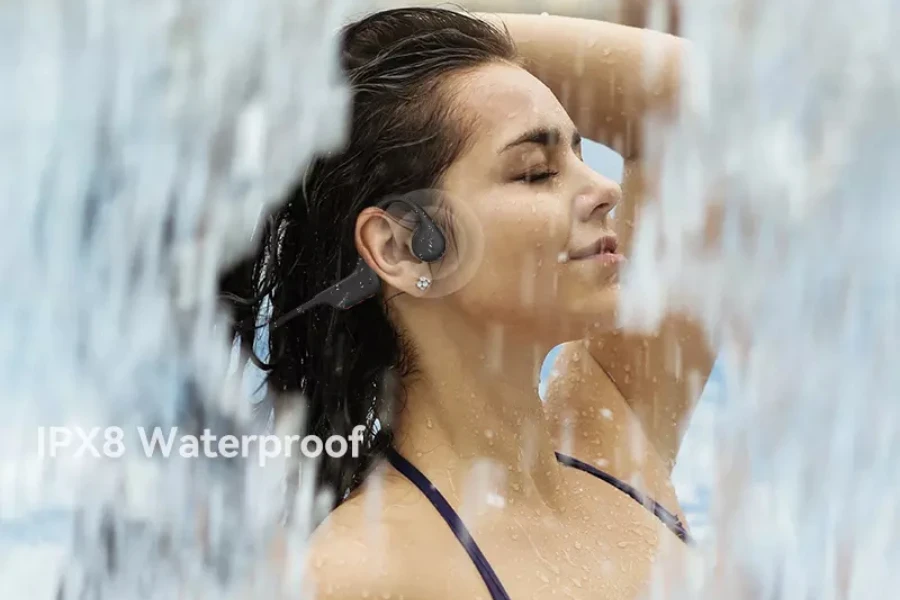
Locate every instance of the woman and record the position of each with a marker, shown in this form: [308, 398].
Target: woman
[460, 492]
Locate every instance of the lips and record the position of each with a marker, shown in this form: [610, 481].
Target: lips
[607, 244]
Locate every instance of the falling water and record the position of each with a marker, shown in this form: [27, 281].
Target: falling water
[140, 141]
[776, 225]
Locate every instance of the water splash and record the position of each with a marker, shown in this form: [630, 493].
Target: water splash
[140, 141]
[775, 225]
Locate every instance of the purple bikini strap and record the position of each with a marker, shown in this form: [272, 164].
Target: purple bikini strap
[452, 519]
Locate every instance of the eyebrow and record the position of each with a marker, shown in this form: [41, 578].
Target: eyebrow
[543, 136]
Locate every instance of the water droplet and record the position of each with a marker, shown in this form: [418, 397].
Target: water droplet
[578, 545]
[429, 423]
[562, 258]
[606, 413]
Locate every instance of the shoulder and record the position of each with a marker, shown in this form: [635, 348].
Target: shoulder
[577, 383]
[379, 544]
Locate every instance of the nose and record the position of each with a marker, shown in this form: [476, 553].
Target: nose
[598, 198]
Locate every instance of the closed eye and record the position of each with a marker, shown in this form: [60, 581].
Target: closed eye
[537, 177]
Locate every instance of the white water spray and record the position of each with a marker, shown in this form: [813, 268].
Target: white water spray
[788, 145]
[140, 141]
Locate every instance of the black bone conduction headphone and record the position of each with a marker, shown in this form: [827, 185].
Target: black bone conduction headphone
[428, 245]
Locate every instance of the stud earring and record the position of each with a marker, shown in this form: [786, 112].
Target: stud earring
[424, 283]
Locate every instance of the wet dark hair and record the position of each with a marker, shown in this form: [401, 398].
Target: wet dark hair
[404, 134]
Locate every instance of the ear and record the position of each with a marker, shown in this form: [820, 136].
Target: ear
[383, 242]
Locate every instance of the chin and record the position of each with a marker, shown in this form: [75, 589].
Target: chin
[591, 303]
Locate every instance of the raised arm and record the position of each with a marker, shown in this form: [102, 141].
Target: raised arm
[610, 78]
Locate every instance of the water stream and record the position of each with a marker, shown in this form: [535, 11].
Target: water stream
[141, 140]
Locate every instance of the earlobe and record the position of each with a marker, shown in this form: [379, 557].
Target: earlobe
[423, 283]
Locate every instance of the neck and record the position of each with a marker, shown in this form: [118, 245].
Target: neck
[475, 399]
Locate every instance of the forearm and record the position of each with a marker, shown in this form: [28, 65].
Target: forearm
[609, 77]
[636, 13]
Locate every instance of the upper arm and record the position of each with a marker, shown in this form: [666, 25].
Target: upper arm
[608, 77]
[660, 375]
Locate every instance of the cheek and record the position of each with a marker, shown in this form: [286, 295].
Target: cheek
[523, 237]
[536, 225]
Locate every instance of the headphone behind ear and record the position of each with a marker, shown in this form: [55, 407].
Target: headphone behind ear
[428, 244]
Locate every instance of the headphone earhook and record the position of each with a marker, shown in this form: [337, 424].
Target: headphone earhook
[428, 245]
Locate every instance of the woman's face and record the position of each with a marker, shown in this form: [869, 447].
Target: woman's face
[548, 261]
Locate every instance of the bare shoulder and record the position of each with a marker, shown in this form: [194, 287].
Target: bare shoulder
[377, 545]
[578, 385]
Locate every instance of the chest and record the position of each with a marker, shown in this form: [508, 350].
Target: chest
[611, 549]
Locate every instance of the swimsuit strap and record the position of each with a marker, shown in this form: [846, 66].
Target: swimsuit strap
[669, 520]
[418, 479]
[453, 521]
